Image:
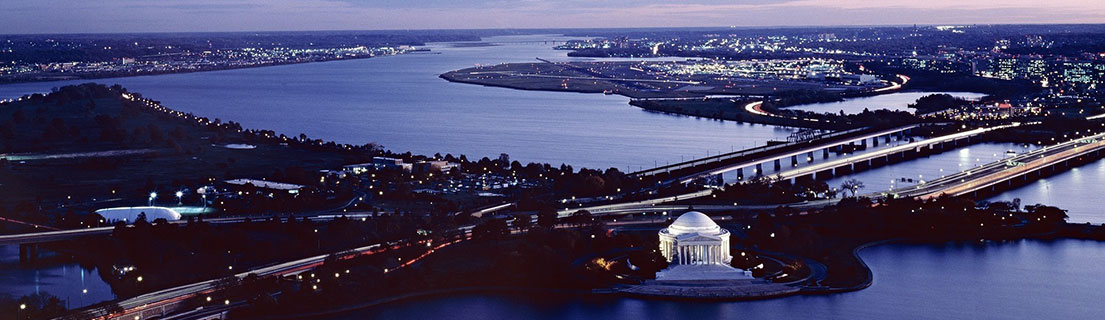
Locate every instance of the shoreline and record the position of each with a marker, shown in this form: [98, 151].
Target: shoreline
[654, 103]
[615, 291]
[99, 76]
[597, 292]
[646, 104]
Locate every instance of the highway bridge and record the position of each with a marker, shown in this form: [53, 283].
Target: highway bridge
[735, 161]
[884, 156]
[991, 176]
[913, 148]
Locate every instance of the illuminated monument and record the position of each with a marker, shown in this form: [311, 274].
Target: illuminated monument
[697, 249]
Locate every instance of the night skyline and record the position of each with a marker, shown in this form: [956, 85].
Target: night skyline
[287, 15]
[551, 159]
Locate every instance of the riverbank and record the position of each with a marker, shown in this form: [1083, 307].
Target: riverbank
[967, 280]
[731, 109]
[699, 296]
[105, 75]
[818, 253]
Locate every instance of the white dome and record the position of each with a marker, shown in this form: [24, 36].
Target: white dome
[693, 221]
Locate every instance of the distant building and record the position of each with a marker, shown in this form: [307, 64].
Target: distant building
[697, 249]
[335, 173]
[267, 185]
[130, 214]
[434, 166]
[385, 163]
[358, 168]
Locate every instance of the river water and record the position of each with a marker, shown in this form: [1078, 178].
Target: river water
[895, 102]
[1011, 280]
[59, 277]
[401, 103]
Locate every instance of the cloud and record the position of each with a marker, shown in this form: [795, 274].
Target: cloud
[66, 16]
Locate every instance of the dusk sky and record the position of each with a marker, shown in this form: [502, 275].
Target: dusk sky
[79, 16]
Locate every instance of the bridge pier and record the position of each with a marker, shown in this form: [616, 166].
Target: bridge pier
[809, 177]
[28, 253]
[823, 175]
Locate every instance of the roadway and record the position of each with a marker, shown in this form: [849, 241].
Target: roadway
[50, 236]
[724, 157]
[801, 151]
[166, 298]
[62, 235]
[813, 169]
[990, 174]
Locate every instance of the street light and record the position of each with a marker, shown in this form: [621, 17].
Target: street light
[153, 195]
[179, 198]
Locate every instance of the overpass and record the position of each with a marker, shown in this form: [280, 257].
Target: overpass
[1006, 172]
[884, 156]
[735, 161]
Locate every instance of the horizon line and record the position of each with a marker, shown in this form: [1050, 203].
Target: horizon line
[572, 28]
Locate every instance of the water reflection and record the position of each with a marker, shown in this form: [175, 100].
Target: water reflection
[51, 274]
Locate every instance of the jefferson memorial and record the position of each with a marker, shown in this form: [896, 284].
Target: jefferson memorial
[697, 249]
